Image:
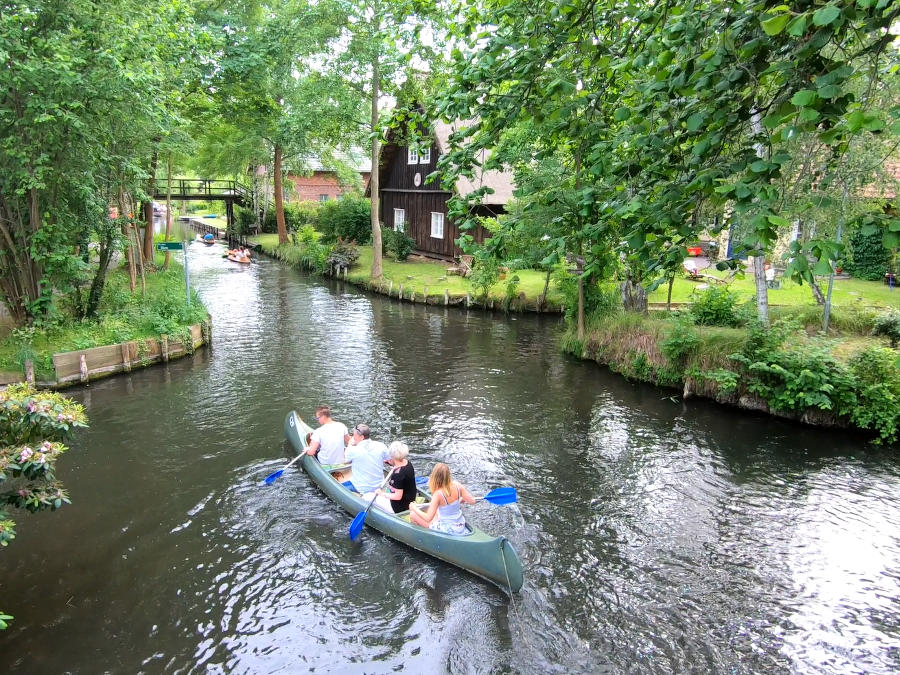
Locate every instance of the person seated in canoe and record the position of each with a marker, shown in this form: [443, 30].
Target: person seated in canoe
[367, 458]
[401, 489]
[328, 441]
[447, 496]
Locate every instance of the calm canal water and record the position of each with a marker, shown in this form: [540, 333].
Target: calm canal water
[657, 537]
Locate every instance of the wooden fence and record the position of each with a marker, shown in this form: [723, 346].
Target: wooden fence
[90, 364]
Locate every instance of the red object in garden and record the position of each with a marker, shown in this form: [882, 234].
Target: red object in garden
[694, 250]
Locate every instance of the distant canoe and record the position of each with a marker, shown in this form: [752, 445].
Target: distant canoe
[492, 558]
[238, 259]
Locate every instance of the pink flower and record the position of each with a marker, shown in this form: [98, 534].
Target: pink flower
[46, 445]
[31, 406]
[25, 454]
[40, 458]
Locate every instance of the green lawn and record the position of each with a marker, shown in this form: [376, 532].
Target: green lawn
[847, 292]
[416, 274]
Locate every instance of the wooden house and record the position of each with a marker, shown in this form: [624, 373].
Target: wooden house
[417, 206]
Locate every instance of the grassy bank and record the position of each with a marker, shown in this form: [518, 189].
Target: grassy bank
[846, 380]
[122, 317]
[417, 276]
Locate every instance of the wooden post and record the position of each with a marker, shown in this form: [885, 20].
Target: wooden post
[391, 288]
[126, 361]
[425, 296]
[446, 296]
[29, 371]
[164, 347]
[82, 367]
[346, 272]
[206, 329]
[468, 300]
[400, 293]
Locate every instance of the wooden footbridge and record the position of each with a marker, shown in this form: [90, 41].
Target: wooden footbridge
[199, 189]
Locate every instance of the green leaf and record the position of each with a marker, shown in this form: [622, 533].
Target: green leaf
[778, 221]
[826, 15]
[622, 114]
[776, 24]
[695, 121]
[797, 27]
[829, 91]
[804, 97]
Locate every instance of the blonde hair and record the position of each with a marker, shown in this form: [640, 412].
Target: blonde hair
[398, 450]
[440, 478]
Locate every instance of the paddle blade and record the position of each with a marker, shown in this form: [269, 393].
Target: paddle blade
[357, 525]
[421, 480]
[271, 478]
[502, 495]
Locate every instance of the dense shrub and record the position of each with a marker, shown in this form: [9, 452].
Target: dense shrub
[681, 343]
[888, 325]
[347, 218]
[485, 273]
[295, 217]
[397, 244]
[599, 302]
[717, 306]
[244, 220]
[869, 259]
[878, 391]
[343, 255]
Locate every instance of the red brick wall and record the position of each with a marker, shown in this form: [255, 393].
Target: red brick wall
[310, 188]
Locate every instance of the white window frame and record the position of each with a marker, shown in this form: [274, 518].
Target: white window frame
[400, 220]
[425, 155]
[437, 224]
[413, 157]
[323, 197]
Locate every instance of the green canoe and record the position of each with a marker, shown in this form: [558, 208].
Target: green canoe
[492, 558]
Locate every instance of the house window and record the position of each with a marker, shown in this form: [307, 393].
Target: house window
[413, 156]
[400, 220]
[323, 198]
[425, 155]
[437, 225]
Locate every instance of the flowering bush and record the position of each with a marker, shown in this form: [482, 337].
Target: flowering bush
[33, 425]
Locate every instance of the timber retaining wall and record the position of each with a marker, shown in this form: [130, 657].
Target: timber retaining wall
[83, 365]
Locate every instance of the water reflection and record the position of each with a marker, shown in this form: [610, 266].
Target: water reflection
[657, 536]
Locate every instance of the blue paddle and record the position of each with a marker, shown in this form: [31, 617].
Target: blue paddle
[271, 478]
[357, 525]
[500, 496]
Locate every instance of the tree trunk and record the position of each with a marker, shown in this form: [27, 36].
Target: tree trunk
[762, 291]
[168, 206]
[816, 291]
[374, 181]
[580, 318]
[279, 198]
[669, 295]
[148, 211]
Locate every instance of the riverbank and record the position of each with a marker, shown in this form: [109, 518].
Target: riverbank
[427, 281]
[849, 381]
[132, 330]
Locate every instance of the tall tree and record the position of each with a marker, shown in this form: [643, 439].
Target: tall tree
[662, 99]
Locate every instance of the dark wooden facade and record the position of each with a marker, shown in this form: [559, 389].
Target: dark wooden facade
[399, 190]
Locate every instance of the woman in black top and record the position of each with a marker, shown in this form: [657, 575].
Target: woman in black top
[402, 484]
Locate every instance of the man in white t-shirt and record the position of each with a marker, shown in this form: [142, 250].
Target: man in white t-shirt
[328, 441]
[367, 458]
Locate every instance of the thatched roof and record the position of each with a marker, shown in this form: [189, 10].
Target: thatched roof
[501, 182]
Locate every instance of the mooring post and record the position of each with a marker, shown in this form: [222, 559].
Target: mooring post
[29, 371]
[468, 300]
[391, 288]
[82, 367]
[425, 296]
[400, 292]
[126, 361]
[446, 296]
[164, 347]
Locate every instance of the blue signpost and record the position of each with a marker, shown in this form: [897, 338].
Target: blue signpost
[179, 246]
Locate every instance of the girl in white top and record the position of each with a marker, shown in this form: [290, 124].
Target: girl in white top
[444, 513]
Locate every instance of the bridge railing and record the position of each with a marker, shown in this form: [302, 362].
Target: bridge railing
[199, 188]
